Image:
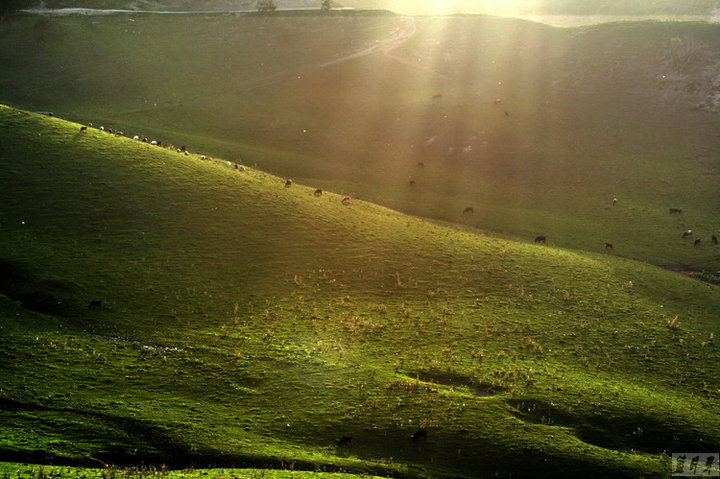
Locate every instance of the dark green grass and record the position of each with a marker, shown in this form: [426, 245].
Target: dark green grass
[591, 116]
[246, 324]
[32, 471]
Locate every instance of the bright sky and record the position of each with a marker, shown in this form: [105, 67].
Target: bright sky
[439, 7]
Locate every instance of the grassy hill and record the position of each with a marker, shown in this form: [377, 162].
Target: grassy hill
[245, 324]
[356, 102]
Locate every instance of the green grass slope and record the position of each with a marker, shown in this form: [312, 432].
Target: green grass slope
[355, 102]
[245, 324]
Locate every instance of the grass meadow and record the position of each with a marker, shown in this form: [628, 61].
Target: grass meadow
[245, 328]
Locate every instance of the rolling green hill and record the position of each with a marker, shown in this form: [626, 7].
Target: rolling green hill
[247, 324]
[355, 102]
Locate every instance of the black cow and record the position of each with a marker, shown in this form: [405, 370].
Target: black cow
[419, 435]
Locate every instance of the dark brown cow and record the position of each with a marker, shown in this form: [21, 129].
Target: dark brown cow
[675, 211]
[95, 304]
[469, 210]
[83, 128]
[318, 192]
[412, 182]
[288, 183]
[419, 435]
[714, 239]
[344, 441]
[541, 239]
[697, 242]
[608, 246]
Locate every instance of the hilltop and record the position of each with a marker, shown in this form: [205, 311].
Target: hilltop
[244, 323]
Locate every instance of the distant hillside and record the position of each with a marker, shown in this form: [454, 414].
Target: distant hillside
[547, 7]
[184, 5]
[403, 111]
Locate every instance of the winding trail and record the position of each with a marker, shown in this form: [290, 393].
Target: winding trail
[406, 30]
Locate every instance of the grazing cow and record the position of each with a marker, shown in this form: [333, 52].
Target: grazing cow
[186, 153]
[412, 182]
[436, 97]
[344, 441]
[240, 167]
[144, 140]
[687, 233]
[203, 157]
[675, 211]
[541, 239]
[153, 143]
[714, 239]
[110, 130]
[421, 164]
[318, 192]
[346, 200]
[608, 246]
[288, 183]
[83, 128]
[697, 242]
[102, 128]
[507, 114]
[183, 148]
[136, 138]
[469, 210]
[614, 201]
[419, 435]
[95, 304]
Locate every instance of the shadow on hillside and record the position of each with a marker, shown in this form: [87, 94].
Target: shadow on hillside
[128, 442]
[40, 295]
[632, 431]
[455, 379]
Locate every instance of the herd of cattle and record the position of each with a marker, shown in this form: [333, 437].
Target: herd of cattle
[347, 199]
[673, 211]
[182, 150]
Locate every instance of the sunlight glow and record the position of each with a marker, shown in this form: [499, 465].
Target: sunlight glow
[444, 7]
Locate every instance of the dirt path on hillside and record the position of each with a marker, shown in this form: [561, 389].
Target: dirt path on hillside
[398, 36]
